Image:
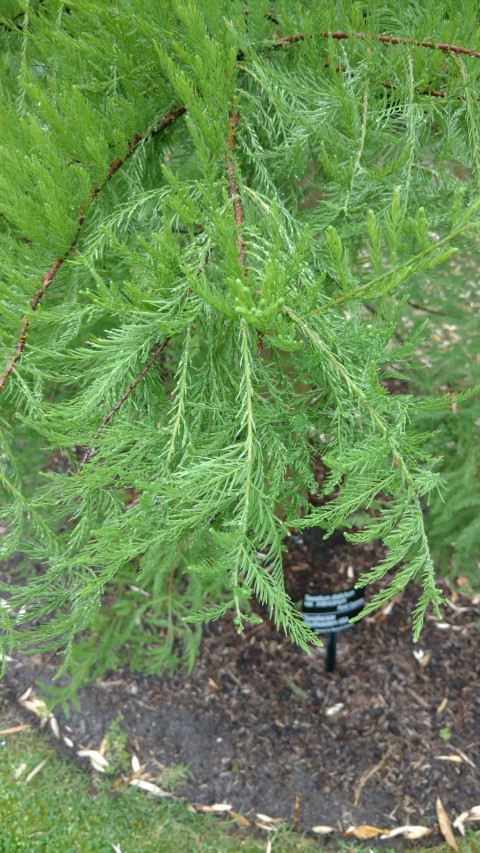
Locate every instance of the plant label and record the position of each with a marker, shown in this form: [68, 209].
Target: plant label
[330, 614]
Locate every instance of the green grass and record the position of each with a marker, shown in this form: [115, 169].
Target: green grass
[64, 810]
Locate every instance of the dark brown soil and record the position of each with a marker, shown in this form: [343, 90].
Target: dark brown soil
[260, 723]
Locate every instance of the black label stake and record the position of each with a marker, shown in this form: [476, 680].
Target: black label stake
[330, 614]
[331, 653]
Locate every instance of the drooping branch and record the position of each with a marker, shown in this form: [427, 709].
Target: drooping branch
[123, 398]
[49, 276]
[381, 37]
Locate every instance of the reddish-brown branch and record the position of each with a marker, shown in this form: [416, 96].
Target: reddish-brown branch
[49, 276]
[122, 399]
[19, 347]
[385, 39]
[233, 191]
[387, 84]
[421, 90]
[446, 48]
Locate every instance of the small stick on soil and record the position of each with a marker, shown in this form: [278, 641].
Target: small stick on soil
[368, 775]
[49, 276]
[296, 810]
[122, 399]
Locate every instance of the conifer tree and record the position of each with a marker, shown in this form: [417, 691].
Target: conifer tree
[221, 231]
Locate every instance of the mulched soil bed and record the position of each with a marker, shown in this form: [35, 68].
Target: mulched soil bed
[260, 723]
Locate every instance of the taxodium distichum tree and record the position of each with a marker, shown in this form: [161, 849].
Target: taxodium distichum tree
[214, 222]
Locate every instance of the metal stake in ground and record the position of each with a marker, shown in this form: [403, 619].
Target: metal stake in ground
[331, 653]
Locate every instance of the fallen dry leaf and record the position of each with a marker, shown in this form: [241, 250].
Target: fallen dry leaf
[97, 760]
[239, 818]
[36, 770]
[330, 712]
[267, 827]
[445, 825]
[323, 830]
[364, 831]
[137, 774]
[455, 758]
[268, 824]
[217, 807]
[268, 819]
[442, 706]
[422, 657]
[13, 730]
[463, 757]
[54, 726]
[150, 787]
[412, 833]
[26, 694]
[135, 763]
[20, 769]
[37, 707]
[470, 815]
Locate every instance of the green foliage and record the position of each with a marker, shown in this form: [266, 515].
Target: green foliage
[451, 358]
[272, 240]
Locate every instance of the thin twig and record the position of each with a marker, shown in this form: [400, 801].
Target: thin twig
[49, 276]
[385, 39]
[421, 90]
[233, 191]
[270, 16]
[87, 456]
[387, 84]
[426, 308]
[374, 313]
[368, 775]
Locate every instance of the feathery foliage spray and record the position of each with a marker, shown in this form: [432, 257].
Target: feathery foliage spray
[219, 228]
